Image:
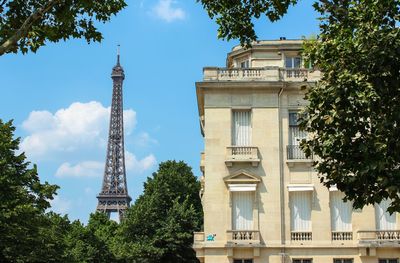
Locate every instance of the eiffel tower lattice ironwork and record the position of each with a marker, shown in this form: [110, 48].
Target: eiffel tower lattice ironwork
[113, 196]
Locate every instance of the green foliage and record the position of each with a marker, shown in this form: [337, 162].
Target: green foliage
[24, 200]
[28, 25]
[354, 111]
[90, 243]
[234, 17]
[159, 226]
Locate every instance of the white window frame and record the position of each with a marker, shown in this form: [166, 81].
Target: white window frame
[292, 58]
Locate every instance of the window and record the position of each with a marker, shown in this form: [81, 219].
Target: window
[245, 64]
[340, 213]
[384, 221]
[293, 62]
[295, 137]
[307, 260]
[241, 128]
[242, 261]
[300, 211]
[343, 260]
[242, 212]
[389, 260]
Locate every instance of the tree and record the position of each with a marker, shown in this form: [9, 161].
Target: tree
[235, 17]
[24, 200]
[27, 25]
[354, 111]
[159, 226]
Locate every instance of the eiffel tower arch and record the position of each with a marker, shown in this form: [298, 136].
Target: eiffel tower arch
[114, 196]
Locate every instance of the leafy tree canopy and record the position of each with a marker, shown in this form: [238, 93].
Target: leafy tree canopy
[24, 200]
[234, 17]
[27, 25]
[354, 111]
[159, 226]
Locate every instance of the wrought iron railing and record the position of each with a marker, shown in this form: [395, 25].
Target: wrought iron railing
[340, 235]
[295, 152]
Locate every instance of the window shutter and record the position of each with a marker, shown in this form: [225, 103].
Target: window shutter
[300, 211]
[241, 128]
[340, 212]
[384, 221]
[242, 210]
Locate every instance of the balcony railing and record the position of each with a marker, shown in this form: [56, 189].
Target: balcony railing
[294, 152]
[243, 236]
[339, 236]
[261, 74]
[242, 154]
[300, 236]
[379, 236]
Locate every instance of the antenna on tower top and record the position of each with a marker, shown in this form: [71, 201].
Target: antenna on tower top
[118, 46]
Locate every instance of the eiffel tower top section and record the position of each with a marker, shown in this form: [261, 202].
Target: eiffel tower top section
[113, 196]
[118, 71]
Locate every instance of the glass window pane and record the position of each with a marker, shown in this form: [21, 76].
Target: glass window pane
[297, 62]
[393, 260]
[289, 64]
[248, 261]
[348, 260]
[307, 260]
[237, 261]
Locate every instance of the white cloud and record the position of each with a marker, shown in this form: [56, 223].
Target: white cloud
[144, 139]
[83, 169]
[164, 10]
[60, 205]
[80, 126]
[138, 166]
[96, 169]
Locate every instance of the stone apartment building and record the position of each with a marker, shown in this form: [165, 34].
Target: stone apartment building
[262, 201]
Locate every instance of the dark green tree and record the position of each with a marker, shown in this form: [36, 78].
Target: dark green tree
[234, 17]
[28, 25]
[354, 111]
[23, 201]
[85, 245]
[159, 226]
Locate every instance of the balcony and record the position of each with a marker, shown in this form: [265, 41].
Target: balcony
[341, 236]
[242, 154]
[260, 74]
[380, 237]
[300, 236]
[243, 237]
[294, 152]
[198, 237]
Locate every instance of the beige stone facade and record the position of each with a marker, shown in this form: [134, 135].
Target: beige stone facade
[262, 201]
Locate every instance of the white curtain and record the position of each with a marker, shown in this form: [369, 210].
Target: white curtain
[300, 210]
[241, 128]
[242, 203]
[340, 212]
[384, 221]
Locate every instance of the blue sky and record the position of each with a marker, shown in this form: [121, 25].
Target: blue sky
[59, 97]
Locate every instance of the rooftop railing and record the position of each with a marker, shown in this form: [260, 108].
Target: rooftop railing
[261, 74]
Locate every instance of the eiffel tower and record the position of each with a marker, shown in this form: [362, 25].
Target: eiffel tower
[113, 196]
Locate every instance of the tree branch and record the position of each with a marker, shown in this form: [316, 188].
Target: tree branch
[23, 30]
